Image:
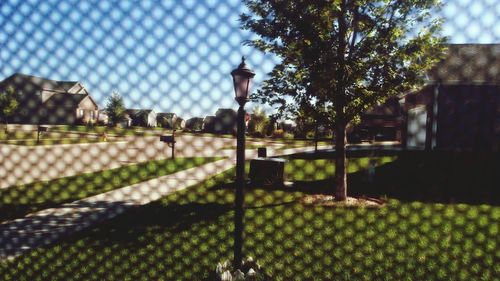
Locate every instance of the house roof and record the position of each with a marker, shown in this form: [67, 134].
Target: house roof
[223, 111]
[165, 115]
[66, 100]
[31, 84]
[133, 113]
[390, 107]
[468, 63]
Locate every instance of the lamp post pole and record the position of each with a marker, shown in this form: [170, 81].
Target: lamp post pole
[240, 185]
[242, 78]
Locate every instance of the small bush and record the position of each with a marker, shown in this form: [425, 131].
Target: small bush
[278, 133]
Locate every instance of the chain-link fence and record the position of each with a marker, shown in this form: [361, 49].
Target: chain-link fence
[118, 148]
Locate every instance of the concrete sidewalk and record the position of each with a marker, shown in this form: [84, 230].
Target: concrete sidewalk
[47, 226]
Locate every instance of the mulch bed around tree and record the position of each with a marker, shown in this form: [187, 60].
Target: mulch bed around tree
[329, 201]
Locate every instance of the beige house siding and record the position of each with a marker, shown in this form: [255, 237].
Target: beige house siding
[87, 111]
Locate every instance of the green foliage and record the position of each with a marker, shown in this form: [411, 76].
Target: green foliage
[259, 123]
[342, 57]
[115, 109]
[8, 104]
[305, 124]
[338, 58]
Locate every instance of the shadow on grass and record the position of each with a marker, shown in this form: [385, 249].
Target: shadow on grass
[18, 201]
[471, 178]
[433, 177]
[153, 218]
[185, 235]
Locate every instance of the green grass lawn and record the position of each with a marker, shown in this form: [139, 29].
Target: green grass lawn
[184, 235]
[111, 131]
[279, 144]
[17, 201]
[33, 142]
[321, 169]
[29, 138]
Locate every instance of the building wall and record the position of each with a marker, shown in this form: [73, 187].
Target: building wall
[425, 98]
[61, 114]
[89, 109]
[152, 119]
[467, 118]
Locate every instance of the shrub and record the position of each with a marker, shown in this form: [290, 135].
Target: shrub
[278, 133]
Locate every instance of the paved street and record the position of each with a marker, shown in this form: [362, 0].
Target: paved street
[25, 164]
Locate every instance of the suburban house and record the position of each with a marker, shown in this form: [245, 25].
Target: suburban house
[142, 117]
[209, 124]
[459, 108]
[225, 121]
[102, 117]
[194, 124]
[169, 121]
[382, 122]
[45, 101]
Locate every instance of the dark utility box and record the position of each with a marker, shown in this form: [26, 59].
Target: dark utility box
[267, 171]
[261, 152]
[167, 139]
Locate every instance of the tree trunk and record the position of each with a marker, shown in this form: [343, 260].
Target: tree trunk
[340, 161]
[340, 118]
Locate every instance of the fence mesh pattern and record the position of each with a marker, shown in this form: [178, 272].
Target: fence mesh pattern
[118, 153]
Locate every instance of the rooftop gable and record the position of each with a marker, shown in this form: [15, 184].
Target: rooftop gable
[468, 63]
[32, 84]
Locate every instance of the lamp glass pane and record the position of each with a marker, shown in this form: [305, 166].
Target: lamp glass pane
[241, 84]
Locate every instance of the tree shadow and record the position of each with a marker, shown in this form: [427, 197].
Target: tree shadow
[438, 177]
[434, 177]
[155, 217]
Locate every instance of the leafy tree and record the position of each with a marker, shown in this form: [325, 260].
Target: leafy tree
[304, 124]
[8, 105]
[340, 57]
[115, 109]
[258, 123]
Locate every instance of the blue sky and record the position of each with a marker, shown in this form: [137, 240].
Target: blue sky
[173, 56]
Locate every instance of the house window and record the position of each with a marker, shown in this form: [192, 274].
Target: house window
[80, 112]
[92, 114]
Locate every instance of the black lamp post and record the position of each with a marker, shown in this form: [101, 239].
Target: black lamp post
[242, 79]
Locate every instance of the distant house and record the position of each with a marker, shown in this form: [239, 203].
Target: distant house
[142, 117]
[102, 117]
[225, 121]
[382, 122]
[459, 108]
[167, 120]
[45, 101]
[194, 124]
[209, 124]
[180, 123]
